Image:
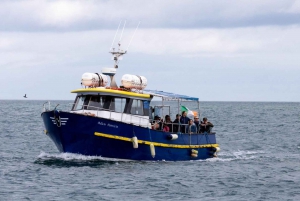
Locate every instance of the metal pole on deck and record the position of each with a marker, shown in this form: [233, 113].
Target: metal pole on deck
[178, 106]
[162, 112]
[199, 109]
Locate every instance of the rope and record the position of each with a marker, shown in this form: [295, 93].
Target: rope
[100, 80]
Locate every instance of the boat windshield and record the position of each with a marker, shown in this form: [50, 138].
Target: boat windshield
[112, 103]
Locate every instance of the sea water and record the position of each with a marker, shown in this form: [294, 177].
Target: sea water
[259, 160]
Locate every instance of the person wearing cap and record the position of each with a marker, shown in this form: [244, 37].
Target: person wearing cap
[197, 122]
[176, 123]
[205, 126]
[191, 128]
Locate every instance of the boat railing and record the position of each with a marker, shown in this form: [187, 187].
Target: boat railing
[173, 127]
[116, 115]
[102, 112]
[65, 106]
[138, 120]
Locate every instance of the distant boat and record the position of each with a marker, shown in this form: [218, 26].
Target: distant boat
[25, 96]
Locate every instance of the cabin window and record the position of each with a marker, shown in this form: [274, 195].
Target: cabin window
[112, 103]
[117, 104]
[106, 102]
[137, 107]
[95, 103]
[79, 102]
[146, 107]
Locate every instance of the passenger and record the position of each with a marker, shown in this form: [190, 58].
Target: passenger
[166, 128]
[197, 123]
[184, 120]
[168, 122]
[176, 123]
[157, 123]
[191, 128]
[205, 126]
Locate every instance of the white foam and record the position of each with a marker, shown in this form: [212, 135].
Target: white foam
[230, 159]
[71, 156]
[240, 153]
[68, 156]
[236, 155]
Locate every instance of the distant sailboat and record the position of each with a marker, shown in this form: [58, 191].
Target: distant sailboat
[25, 96]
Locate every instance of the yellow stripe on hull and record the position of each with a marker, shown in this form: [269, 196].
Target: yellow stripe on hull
[177, 146]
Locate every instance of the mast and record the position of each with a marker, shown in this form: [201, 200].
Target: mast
[117, 54]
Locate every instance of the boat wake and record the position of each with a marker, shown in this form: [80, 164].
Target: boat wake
[82, 160]
[236, 155]
[68, 156]
[70, 159]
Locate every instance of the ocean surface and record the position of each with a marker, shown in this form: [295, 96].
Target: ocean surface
[259, 160]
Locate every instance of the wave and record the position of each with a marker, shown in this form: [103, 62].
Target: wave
[67, 156]
[70, 159]
[236, 155]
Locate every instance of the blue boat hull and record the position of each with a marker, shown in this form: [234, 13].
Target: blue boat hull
[94, 136]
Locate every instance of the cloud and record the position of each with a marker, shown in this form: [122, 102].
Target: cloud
[67, 15]
[248, 47]
[73, 46]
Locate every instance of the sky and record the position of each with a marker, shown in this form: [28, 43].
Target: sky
[214, 50]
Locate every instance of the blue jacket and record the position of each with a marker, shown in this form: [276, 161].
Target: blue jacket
[191, 128]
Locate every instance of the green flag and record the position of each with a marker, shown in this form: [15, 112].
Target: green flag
[190, 113]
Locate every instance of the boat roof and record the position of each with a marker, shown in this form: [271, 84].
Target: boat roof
[146, 93]
[170, 96]
[110, 91]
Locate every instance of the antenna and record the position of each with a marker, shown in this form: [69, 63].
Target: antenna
[122, 34]
[118, 53]
[115, 36]
[133, 36]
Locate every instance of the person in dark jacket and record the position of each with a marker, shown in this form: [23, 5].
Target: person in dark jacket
[176, 124]
[184, 120]
[205, 126]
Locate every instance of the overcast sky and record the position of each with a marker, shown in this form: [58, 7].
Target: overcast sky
[214, 50]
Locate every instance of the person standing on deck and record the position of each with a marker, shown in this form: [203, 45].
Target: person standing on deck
[197, 123]
[169, 122]
[184, 120]
[205, 126]
[176, 124]
[191, 128]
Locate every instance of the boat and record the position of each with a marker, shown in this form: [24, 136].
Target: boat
[118, 122]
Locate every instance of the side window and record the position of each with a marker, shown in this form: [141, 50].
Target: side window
[128, 104]
[137, 107]
[106, 102]
[112, 104]
[146, 108]
[119, 104]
